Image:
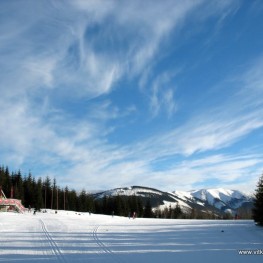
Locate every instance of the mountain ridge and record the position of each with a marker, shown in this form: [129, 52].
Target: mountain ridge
[216, 201]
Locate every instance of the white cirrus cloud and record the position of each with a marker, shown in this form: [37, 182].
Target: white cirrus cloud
[81, 50]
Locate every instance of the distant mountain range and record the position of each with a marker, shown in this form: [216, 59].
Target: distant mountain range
[217, 202]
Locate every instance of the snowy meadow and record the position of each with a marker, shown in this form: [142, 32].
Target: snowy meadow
[83, 237]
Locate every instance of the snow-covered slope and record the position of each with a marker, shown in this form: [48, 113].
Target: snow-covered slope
[217, 201]
[130, 191]
[66, 237]
[158, 198]
[221, 199]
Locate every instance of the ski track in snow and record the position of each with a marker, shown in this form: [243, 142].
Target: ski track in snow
[105, 248]
[59, 255]
[79, 238]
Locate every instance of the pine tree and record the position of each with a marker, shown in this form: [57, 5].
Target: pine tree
[38, 192]
[117, 205]
[148, 210]
[47, 192]
[28, 191]
[18, 186]
[73, 202]
[258, 203]
[83, 201]
[7, 182]
[177, 211]
[65, 197]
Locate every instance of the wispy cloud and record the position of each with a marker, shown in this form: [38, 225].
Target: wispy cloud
[53, 67]
[162, 95]
[56, 50]
[215, 171]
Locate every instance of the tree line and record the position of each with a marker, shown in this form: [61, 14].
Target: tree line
[46, 194]
[258, 203]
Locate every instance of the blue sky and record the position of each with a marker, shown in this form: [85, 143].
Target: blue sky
[104, 94]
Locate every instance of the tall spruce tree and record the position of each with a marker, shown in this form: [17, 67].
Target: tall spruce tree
[258, 203]
[148, 209]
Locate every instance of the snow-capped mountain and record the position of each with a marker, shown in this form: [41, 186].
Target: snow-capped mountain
[215, 201]
[157, 197]
[220, 199]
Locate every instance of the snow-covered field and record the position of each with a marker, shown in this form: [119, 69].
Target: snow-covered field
[74, 237]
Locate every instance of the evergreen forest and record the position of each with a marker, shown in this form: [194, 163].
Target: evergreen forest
[46, 194]
[258, 203]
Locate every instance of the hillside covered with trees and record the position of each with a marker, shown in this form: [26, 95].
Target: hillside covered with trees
[46, 194]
